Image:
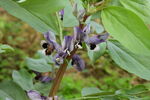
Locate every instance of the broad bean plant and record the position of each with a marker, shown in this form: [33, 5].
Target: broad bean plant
[119, 27]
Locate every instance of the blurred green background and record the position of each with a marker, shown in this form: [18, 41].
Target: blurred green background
[104, 74]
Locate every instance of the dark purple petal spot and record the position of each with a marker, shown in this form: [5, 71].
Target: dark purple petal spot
[44, 44]
[92, 46]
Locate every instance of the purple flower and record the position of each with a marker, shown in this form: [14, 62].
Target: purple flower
[45, 79]
[82, 36]
[78, 35]
[62, 51]
[94, 40]
[50, 44]
[59, 58]
[68, 44]
[34, 95]
[61, 13]
[50, 37]
[78, 63]
[67, 47]
[48, 47]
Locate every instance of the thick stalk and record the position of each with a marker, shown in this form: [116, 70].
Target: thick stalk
[59, 75]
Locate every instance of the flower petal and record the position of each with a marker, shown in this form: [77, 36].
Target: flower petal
[59, 58]
[49, 36]
[61, 13]
[58, 48]
[78, 63]
[34, 95]
[104, 36]
[87, 29]
[45, 79]
[68, 43]
[78, 34]
[67, 47]
[97, 39]
[52, 41]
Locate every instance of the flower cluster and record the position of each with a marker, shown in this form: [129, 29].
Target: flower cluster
[70, 43]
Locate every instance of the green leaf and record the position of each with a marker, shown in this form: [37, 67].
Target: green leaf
[5, 48]
[127, 28]
[97, 27]
[45, 9]
[23, 78]
[13, 90]
[137, 89]
[44, 6]
[42, 22]
[39, 65]
[140, 7]
[92, 91]
[49, 59]
[43, 88]
[115, 3]
[4, 96]
[133, 63]
[69, 19]
[94, 55]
